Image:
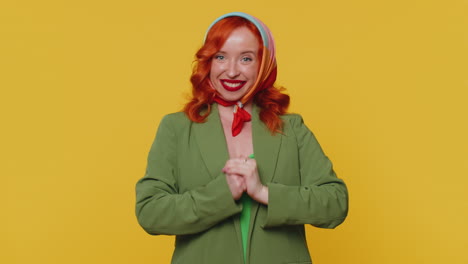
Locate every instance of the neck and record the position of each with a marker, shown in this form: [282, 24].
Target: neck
[247, 107]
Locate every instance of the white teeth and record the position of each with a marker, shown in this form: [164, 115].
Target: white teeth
[232, 85]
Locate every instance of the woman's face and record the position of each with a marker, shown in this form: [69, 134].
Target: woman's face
[234, 67]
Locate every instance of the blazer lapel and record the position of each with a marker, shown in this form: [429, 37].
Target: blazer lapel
[266, 150]
[212, 142]
[213, 148]
[266, 147]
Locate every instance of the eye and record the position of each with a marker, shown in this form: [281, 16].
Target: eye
[246, 59]
[219, 57]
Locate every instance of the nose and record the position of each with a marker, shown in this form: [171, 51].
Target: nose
[233, 69]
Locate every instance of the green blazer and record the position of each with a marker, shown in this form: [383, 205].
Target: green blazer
[185, 193]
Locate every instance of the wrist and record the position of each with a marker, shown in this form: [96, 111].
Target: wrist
[261, 195]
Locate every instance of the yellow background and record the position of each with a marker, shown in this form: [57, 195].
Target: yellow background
[84, 84]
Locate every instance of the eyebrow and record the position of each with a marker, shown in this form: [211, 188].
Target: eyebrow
[242, 53]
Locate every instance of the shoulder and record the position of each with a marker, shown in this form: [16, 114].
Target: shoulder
[174, 122]
[294, 125]
[291, 117]
[292, 120]
[177, 118]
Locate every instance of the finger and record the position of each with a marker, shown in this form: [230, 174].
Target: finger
[231, 168]
[237, 170]
[236, 186]
[241, 171]
[236, 179]
[243, 187]
[234, 161]
[250, 162]
[227, 169]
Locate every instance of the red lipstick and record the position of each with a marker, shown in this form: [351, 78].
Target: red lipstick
[232, 85]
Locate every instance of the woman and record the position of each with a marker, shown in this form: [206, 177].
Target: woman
[233, 176]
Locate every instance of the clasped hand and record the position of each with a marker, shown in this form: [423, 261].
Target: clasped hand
[242, 176]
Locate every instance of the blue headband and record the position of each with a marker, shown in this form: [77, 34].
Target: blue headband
[264, 32]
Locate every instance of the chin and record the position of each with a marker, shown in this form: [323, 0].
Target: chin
[230, 97]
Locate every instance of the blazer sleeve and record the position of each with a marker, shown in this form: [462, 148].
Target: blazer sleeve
[320, 200]
[161, 209]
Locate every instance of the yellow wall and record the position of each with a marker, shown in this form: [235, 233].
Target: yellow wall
[383, 84]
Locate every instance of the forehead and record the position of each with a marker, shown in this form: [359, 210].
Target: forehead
[241, 39]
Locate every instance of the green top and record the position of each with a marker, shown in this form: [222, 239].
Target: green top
[245, 218]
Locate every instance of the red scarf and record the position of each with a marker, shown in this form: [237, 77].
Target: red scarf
[240, 115]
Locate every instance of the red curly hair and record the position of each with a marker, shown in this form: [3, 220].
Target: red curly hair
[269, 98]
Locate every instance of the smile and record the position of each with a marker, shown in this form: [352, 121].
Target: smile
[232, 85]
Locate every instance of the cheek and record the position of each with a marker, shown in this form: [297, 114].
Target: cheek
[215, 70]
[252, 72]
[212, 73]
